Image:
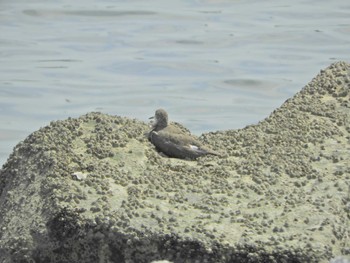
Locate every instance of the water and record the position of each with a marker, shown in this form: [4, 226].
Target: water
[212, 65]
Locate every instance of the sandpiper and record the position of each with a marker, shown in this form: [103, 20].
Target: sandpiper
[174, 142]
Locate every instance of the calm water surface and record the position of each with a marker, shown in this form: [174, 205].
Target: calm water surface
[212, 64]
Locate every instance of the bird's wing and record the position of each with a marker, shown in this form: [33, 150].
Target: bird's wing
[180, 139]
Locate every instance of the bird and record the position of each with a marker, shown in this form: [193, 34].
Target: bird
[173, 141]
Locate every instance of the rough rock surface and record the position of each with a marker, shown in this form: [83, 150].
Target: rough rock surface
[93, 189]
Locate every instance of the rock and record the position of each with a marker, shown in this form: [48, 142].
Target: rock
[93, 189]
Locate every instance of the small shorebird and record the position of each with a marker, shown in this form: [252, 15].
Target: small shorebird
[174, 142]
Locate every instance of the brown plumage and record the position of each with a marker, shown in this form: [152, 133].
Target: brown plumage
[174, 142]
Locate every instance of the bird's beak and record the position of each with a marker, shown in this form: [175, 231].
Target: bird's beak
[151, 123]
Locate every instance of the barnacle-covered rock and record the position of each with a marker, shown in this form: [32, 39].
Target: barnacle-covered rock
[94, 189]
